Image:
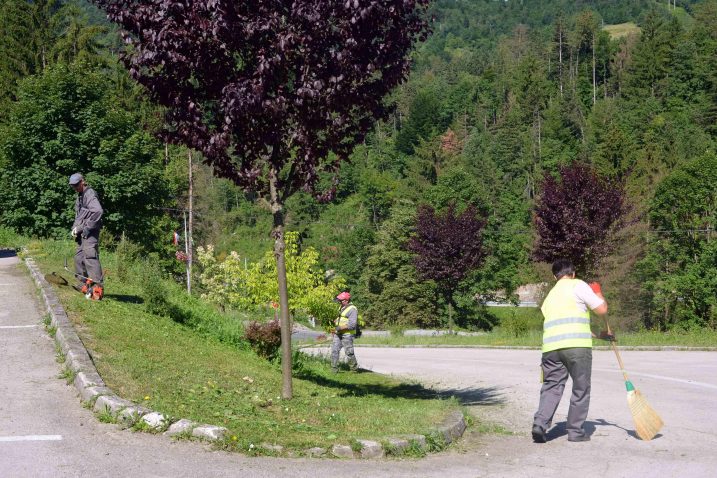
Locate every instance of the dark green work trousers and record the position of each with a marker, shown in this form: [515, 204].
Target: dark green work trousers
[558, 365]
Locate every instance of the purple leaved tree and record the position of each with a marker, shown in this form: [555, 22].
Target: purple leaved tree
[576, 215]
[274, 94]
[448, 246]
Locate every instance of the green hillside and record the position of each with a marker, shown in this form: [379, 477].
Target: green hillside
[501, 94]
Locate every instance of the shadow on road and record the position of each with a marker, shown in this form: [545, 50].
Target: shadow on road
[466, 396]
[5, 253]
[590, 427]
[473, 396]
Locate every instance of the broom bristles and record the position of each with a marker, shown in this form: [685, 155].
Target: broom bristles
[647, 422]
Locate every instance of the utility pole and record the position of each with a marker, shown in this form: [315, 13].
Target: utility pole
[188, 230]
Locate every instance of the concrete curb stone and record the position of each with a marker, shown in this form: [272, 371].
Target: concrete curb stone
[88, 381]
[209, 432]
[90, 386]
[370, 449]
[180, 427]
[155, 420]
[131, 415]
[316, 451]
[342, 451]
[88, 394]
[111, 404]
[452, 427]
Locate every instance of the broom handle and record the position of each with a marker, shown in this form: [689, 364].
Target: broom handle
[617, 354]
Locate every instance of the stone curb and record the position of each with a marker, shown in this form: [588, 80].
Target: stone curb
[92, 390]
[89, 383]
[446, 433]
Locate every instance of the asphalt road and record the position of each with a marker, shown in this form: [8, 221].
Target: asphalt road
[45, 432]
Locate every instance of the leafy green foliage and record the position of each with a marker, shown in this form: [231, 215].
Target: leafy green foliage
[231, 283]
[389, 284]
[65, 121]
[680, 269]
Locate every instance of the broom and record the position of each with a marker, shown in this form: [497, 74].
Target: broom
[647, 421]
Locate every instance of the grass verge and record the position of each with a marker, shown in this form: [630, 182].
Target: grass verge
[192, 363]
[522, 327]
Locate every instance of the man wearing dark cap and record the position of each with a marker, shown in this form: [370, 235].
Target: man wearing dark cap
[86, 231]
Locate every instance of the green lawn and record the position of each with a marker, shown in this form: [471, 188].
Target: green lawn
[202, 370]
[522, 326]
[698, 339]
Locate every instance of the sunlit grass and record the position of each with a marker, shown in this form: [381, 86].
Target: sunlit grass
[199, 367]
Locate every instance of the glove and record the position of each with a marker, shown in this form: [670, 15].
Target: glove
[607, 336]
[595, 286]
[85, 233]
[74, 232]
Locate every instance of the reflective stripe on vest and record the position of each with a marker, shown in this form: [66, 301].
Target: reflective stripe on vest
[565, 325]
[343, 319]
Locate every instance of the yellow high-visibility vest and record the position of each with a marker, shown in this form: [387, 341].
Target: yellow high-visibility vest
[343, 319]
[565, 324]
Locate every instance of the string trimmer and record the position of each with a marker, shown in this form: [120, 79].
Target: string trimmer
[89, 288]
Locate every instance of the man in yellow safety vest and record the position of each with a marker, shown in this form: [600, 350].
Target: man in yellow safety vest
[343, 333]
[567, 350]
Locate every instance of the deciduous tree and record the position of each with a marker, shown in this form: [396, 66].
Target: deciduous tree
[447, 246]
[575, 216]
[273, 93]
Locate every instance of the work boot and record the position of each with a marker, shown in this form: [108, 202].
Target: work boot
[538, 434]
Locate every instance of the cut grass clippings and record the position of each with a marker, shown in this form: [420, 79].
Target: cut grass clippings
[199, 370]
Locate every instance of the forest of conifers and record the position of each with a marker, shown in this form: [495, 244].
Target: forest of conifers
[501, 95]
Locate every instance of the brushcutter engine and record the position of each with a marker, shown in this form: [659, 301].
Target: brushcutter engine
[92, 291]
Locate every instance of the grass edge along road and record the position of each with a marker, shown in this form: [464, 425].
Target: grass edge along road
[194, 364]
[648, 340]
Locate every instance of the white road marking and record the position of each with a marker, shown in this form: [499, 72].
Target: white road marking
[662, 377]
[17, 326]
[32, 438]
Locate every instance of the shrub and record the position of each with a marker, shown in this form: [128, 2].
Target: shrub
[264, 338]
[325, 311]
[154, 291]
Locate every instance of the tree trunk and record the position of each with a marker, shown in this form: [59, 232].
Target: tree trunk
[277, 210]
[594, 82]
[450, 317]
[560, 59]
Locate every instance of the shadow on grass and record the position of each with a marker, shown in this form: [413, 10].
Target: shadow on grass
[127, 299]
[466, 396]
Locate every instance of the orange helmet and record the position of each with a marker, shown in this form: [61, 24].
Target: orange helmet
[344, 296]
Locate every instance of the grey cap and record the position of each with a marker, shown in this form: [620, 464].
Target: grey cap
[75, 179]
